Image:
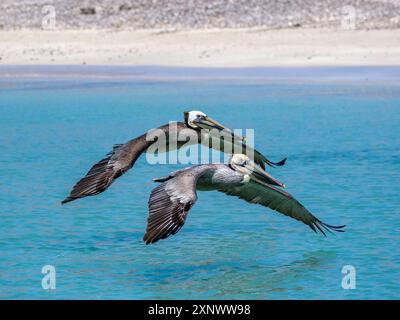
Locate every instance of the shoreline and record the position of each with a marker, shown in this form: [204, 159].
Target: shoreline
[212, 48]
[366, 75]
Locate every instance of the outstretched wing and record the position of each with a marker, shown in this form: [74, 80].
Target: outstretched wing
[170, 202]
[278, 200]
[118, 161]
[103, 173]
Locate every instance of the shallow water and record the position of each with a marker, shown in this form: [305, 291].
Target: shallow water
[342, 144]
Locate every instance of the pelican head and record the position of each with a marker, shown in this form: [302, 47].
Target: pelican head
[199, 120]
[244, 165]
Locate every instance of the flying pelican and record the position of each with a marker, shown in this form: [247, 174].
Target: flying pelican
[170, 202]
[124, 156]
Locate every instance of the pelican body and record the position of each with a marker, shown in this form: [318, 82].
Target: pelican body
[124, 156]
[170, 202]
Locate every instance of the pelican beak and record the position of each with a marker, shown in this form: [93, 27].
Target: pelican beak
[262, 176]
[209, 123]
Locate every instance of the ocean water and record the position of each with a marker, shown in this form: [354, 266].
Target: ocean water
[341, 135]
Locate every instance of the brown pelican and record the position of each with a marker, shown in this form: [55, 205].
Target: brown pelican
[124, 156]
[170, 202]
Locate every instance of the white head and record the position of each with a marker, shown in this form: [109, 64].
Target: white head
[244, 165]
[193, 115]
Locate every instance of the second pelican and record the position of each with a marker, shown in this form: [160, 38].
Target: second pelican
[170, 202]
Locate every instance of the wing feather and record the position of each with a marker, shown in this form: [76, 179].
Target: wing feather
[280, 201]
[170, 202]
[112, 166]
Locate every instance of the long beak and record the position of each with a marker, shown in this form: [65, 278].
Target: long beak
[209, 123]
[263, 177]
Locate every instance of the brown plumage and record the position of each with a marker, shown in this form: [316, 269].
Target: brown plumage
[124, 156]
[115, 164]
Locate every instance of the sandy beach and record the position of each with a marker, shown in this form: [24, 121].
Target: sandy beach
[202, 48]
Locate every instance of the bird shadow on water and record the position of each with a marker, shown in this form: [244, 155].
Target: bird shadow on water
[235, 279]
[275, 280]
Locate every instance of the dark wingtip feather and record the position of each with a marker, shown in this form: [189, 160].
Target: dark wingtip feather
[281, 163]
[336, 227]
[146, 239]
[313, 228]
[163, 179]
[319, 228]
[318, 223]
[276, 164]
[66, 200]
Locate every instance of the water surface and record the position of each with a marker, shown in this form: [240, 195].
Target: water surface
[341, 137]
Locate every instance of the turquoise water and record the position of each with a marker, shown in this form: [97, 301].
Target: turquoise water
[342, 143]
